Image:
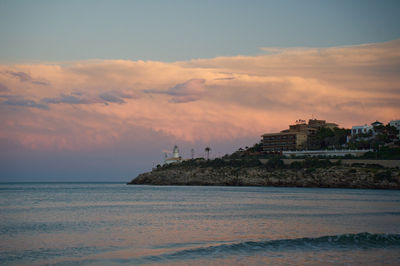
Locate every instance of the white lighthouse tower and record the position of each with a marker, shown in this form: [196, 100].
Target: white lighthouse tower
[175, 153]
[176, 158]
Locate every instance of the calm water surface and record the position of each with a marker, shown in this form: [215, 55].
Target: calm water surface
[112, 223]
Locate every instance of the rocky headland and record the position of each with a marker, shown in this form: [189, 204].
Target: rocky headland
[306, 174]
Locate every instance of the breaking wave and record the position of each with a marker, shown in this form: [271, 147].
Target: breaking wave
[345, 241]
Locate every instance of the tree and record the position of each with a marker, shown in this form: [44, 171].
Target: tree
[328, 138]
[275, 163]
[208, 149]
[392, 130]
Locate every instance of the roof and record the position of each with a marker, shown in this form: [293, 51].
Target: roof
[331, 124]
[376, 123]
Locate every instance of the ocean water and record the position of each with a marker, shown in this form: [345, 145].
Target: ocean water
[112, 224]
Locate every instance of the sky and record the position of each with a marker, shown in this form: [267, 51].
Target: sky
[100, 90]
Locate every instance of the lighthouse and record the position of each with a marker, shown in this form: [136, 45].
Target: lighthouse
[175, 153]
[176, 158]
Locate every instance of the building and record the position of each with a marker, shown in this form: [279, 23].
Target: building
[355, 130]
[297, 137]
[396, 124]
[313, 126]
[318, 124]
[284, 141]
[176, 158]
[311, 129]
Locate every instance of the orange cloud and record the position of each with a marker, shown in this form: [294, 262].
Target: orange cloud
[86, 104]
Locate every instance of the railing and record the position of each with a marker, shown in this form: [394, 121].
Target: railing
[326, 152]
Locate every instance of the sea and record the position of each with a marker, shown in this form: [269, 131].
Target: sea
[119, 224]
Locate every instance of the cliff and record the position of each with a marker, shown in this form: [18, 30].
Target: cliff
[333, 176]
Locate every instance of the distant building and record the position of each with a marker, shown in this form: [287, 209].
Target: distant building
[355, 130]
[176, 158]
[396, 124]
[318, 124]
[284, 141]
[374, 129]
[298, 137]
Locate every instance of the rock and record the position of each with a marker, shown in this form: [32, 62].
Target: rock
[336, 176]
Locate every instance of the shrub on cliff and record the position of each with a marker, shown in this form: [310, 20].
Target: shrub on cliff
[275, 163]
[296, 165]
[384, 175]
[316, 163]
[310, 170]
[384, 153]
[253, 162]
[374, 166]
[313, 163]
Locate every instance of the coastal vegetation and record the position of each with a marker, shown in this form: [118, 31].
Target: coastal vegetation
[309, 172]
[251, 166]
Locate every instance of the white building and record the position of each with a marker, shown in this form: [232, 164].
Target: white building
[176, 158]
[361, 129]
[396, 124]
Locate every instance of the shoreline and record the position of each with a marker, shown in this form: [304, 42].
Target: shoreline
[185, 185]
[336, 176]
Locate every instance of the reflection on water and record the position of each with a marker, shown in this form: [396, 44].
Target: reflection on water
[100, 223]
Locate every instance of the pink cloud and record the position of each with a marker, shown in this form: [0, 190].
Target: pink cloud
[94, 103]
[3, 88]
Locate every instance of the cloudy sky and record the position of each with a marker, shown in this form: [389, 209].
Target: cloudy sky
[99, 90]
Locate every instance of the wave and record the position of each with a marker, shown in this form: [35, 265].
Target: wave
[346, 241]
[81, 255]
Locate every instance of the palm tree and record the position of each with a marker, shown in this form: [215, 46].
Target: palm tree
[208, 149]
